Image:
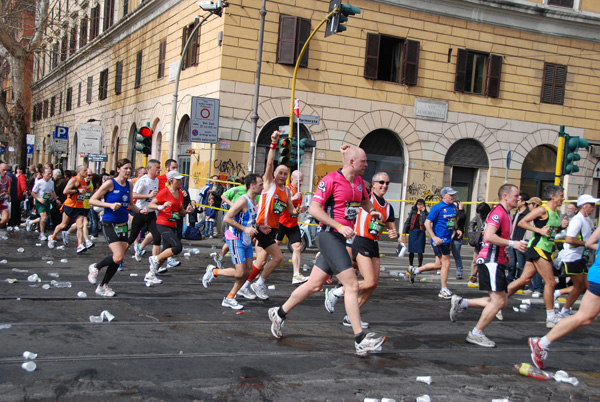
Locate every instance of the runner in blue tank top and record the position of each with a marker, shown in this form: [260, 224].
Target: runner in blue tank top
[241, 219]
[117, 199]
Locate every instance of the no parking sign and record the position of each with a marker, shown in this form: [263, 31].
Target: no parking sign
[204, 120]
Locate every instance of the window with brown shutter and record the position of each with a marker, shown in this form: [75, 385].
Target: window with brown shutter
[561, 3]
[553, 84]
[52, 106]
[478, 73]
[388, 58]
[69, 101]
[90, 84]
[118, 77]
[109, 14]
[138, 70]
[83, 32]
[103, 85]
[191, 57]
[64, 46]
[95, 22]
[293, 34]
[162, 54]
[73, 41]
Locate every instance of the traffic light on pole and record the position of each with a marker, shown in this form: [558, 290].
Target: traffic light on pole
[335, 23]
[571, 155]
[143, 140]
[285, 150]
[294, 161]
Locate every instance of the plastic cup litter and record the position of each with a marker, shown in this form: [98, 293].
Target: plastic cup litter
[271, 287]
[426, 379]
[45, 286]
[34, 278]
[20, 250]
[3, 262]
[107, 316]
[29, 355]
[29, 366]
[64, 260]
[82, 295]
[96, 318]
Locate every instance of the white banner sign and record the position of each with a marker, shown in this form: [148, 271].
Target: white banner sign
[89, 139]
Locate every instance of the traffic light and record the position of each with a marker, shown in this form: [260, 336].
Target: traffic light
[571, 155]
[335, 23]
[143, 140]
[285, 150]
[297, 152]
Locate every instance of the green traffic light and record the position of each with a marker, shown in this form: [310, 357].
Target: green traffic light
[348, 9]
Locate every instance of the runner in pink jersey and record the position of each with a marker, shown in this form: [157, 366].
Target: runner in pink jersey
[491, 263]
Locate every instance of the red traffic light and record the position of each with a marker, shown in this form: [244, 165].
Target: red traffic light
[145, 132]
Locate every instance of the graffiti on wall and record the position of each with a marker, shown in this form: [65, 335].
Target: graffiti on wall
[424, 191]
[233, 169]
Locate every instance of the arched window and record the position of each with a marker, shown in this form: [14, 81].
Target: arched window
[538, 170]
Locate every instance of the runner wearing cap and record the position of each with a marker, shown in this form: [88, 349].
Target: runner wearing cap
[574, 257]
[546, 224]
[588, 310]
[169, 203]
[440, 224]
[491, 262]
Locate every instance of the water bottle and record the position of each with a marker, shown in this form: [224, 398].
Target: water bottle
[53, 275]
[60, 284]
[3, 262]
[20, 250]
[531, 371]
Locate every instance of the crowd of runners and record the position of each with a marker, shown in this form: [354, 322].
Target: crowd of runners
[262, 211]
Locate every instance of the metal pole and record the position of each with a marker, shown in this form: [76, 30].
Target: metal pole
[175, 92]
[254, 116]
[210, 161]
[559, 155]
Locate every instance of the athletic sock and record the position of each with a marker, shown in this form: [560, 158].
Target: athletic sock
[544, 343]
[254, 274]
[215, 271]
[245, 285]
[550, 314]
[557, 293]
[281, 313]
[464, 303]
[230, 295]
[359, 337]
[338, 292]
[260, 281]
[476, 331]
[565, 310]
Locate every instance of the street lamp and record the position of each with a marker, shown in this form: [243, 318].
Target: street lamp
[212, 8]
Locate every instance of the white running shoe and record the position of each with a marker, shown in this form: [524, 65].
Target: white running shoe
[92, 274]
[153, 260]
[172, 262]
[330, 300]
[151, 277]
[218, 259]
[28, 225]
[89, 244]
[445, 294]
[81, 248]
[371, 343]
[298, 279]
[247, 293]
[499, 316]
[137, 254]
[455, 308]
[260, 290]
[104, 291]
[276, 322]
[208, 277]
[65, 237]
[42, 237]
[231, 303]
[346, 322]
[51, 242]
[480, 340]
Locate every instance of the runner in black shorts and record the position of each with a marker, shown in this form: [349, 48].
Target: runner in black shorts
[341, 193]
[117, 198]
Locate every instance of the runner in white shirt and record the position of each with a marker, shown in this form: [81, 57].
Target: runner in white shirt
[43, 193]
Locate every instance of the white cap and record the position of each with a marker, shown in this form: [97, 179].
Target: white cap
[586, 199]
[174, 174]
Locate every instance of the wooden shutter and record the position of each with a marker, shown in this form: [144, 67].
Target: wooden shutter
[410, 62]
[559, 85]
[162, 53]
[303, 25]
[118, 77]
[194, 46]
[461, 70]
[286, 44]
[184, 36]
[138, 70]
[493, 76]
[90, 84]
[372, 56]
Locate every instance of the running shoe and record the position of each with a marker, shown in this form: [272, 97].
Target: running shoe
[120, 266]
[330, 300]
[172, 262]
[260, 290]
[371, 343]
[92, 274]
[499, 316]
[218, 259]
[66, 237]
[42, 237]
[137, 252]
[51, 242]
[28, 225]
[445, 294]
[231, 303]
[455, 308]
[104, 291]
[247, 293]
[564, 314]
[480, 340]
[538, 355]
[346, 322]
[151, 277]
[163, 269]
[81, 248]
[89, 244]
[208, 277]
[276, 322]
[553, 320]
[412, 273]
[153, 260]
[298, 279]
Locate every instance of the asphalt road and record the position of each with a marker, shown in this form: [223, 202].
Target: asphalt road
[174, 341]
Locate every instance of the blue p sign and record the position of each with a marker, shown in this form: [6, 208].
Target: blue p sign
[61, 132]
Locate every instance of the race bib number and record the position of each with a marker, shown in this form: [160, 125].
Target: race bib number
[451, 224]
[351, 211]
[88, 195]
[121, 228]
[46, 197]
[174, 217]
[552, 231]
[279, 206]
[80, 197]
[376, 227]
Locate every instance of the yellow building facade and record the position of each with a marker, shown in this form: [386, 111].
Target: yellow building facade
[438, 93]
